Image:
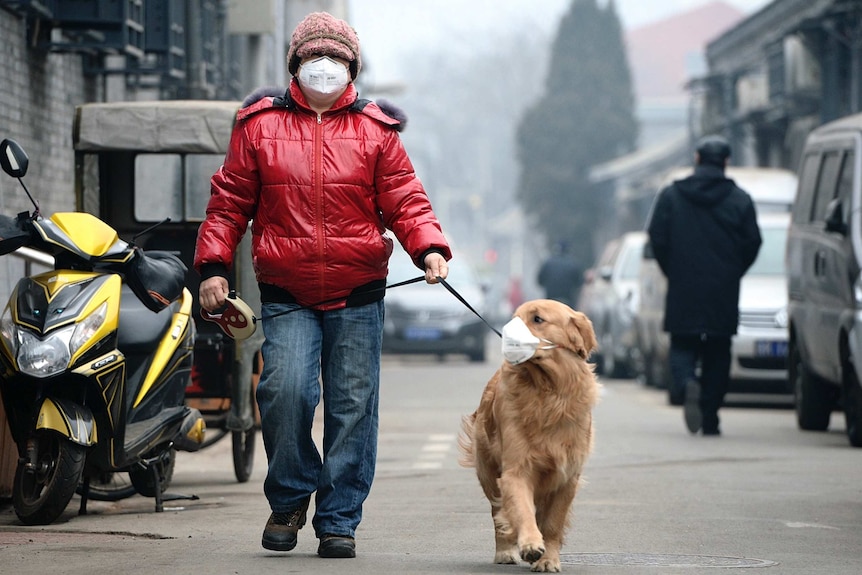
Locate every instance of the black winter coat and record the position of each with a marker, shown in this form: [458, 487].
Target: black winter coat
[704, 235]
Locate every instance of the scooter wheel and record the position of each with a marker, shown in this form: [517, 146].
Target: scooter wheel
[243, 453]
[41, 495]
[109, 487]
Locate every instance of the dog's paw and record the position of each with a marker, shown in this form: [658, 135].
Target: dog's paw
[545, 565]
[507, 557]
[532, 552]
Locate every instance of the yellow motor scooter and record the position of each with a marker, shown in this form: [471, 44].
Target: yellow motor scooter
[95, 357]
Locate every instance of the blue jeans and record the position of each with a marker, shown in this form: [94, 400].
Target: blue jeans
[341, 348]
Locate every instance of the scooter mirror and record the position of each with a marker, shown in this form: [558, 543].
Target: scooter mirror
[13, 158]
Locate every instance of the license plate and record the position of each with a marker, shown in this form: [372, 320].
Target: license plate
[770, 348]
[426, 333]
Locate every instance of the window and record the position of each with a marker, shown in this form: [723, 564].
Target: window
[770, 258]
[173, 186]
[845, 187]
[826, 185]
[807, 180]
[199, 169]
[158, 187]
[631, 261]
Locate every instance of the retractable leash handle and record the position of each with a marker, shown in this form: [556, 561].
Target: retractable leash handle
[234, 318]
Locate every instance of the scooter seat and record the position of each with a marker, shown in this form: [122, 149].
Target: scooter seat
[141, 329]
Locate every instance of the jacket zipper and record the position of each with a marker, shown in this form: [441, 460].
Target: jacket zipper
[318, 192]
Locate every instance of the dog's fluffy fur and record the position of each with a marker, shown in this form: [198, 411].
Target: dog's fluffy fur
[531, 435]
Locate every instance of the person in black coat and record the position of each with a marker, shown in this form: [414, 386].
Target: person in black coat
[704, 234]
[561, 276]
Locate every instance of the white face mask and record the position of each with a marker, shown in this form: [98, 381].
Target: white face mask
[519, 343]
[323, 76]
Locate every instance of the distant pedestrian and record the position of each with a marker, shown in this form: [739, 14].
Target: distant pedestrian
[704, 235]
[561, 276]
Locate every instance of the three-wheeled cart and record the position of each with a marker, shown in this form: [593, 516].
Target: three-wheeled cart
[138, 164]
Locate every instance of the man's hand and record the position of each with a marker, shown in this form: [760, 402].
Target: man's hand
[435, 265]
[213, 292]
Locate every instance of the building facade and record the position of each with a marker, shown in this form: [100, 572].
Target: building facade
[58, 54]
[783, 71]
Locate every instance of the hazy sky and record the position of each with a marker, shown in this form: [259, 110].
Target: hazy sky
[388, 27]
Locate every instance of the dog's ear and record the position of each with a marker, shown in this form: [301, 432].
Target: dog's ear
[580, 332]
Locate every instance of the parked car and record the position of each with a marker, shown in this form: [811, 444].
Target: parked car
[610, 299]
[824, 258]
[759, 348]
[427, 319]
[772, 190]
[593, 298]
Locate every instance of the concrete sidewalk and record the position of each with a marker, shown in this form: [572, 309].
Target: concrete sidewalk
[657, 501]
[416, 521]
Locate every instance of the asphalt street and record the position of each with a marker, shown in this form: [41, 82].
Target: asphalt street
[657, 501]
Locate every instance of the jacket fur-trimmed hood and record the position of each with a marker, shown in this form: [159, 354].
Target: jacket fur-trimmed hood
[274, 92]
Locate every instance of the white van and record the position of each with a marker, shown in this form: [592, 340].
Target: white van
[758, 353]
[824, 258]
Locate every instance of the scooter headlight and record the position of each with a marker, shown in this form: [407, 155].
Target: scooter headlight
[87, 328]
[9, 331]
[45, 357]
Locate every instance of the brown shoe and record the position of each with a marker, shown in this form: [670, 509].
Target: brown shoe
[281, 529]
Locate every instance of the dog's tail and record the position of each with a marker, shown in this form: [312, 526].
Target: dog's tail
[465, 441]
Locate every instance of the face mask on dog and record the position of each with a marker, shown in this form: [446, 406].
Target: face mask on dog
[519, 343]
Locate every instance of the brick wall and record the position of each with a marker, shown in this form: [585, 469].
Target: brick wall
[38, 94]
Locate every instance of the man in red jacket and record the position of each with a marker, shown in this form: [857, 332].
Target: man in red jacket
[321, 175]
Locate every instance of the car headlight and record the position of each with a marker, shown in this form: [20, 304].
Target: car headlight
[857, 289]
[9, 332]
[780, 318]
[44, 357]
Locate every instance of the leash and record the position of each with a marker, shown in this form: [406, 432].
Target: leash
[238, 321]
[335, 299]
[464, 301]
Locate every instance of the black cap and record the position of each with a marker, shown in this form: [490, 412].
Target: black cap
[713, 150]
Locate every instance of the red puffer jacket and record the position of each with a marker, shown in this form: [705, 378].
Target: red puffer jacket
[321, 191]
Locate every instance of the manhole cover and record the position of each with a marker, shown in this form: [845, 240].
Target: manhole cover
[659, 560]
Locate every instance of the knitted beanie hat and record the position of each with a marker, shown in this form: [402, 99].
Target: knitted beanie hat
[324, 34]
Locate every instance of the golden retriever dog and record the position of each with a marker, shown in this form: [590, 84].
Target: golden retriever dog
[532, 433]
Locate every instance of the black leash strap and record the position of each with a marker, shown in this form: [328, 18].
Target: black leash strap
[462, 300]
[443, 282]
[335, 299]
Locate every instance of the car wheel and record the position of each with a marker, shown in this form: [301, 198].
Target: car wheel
[647, 369]
[674, 398]
[659, 373]
[853, 405]
[607, 361]
[638, 366]
[477, 356]
[812, 399]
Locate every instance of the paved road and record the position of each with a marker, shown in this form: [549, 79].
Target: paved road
[658, 501]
